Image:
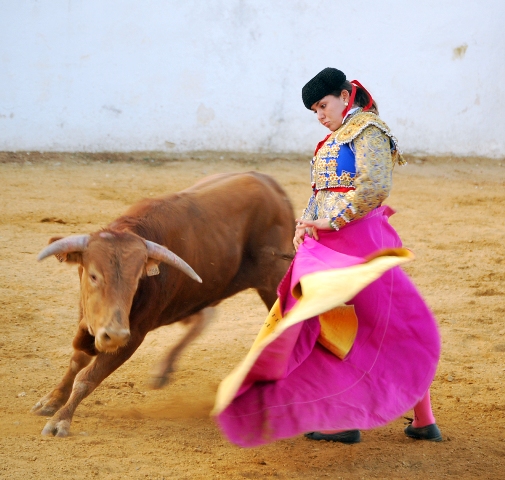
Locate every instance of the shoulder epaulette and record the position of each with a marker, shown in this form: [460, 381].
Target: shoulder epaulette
[357, 123]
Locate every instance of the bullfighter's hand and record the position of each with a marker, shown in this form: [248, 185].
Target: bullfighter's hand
[299, 236]
[312, 226]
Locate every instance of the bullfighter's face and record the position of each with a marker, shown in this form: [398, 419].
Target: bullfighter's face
[329, 110]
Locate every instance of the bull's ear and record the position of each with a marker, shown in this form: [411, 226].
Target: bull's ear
[151, 267]
[71, 257]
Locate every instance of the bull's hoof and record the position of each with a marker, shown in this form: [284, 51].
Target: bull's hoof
[49, 404]
[57, 428]
[44, 410]
[158, 382]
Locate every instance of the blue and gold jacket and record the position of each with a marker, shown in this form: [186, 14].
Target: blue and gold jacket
[351, 174]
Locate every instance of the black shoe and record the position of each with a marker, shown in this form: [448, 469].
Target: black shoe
[349, 436]
[430, 432]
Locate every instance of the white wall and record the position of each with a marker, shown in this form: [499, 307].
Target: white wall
[122, 75]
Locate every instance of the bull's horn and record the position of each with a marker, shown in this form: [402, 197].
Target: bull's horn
[163, 254]
[74, 243]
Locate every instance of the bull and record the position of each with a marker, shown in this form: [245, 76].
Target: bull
[234, 230]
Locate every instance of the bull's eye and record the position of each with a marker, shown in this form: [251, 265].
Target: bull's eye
[93, 277]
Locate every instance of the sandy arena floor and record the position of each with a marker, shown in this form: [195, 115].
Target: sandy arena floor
[450, 212]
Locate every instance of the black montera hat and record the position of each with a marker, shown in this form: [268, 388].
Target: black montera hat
[325, 82]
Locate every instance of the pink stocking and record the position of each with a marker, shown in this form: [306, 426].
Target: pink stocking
[422, 412]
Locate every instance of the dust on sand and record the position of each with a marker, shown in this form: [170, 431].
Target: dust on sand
[450, 212]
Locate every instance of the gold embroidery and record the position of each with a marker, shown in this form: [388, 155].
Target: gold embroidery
[346, 180]
[325, 162]
[357, 123]
[371, 139]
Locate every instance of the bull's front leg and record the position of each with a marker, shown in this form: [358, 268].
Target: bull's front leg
[196, 324]
[84, 351]
[85, 382]
[55, 399]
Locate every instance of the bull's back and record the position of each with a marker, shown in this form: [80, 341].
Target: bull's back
[234, 182]
[224, 209]
[246, 205]
[243, 193]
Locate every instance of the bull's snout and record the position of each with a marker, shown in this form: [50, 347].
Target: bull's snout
[110, 339]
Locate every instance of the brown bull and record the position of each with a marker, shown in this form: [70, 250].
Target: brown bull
[234, 230]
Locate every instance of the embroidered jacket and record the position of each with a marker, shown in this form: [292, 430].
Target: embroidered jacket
[351, 174]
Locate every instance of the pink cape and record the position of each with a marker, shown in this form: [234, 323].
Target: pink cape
[297, 386]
